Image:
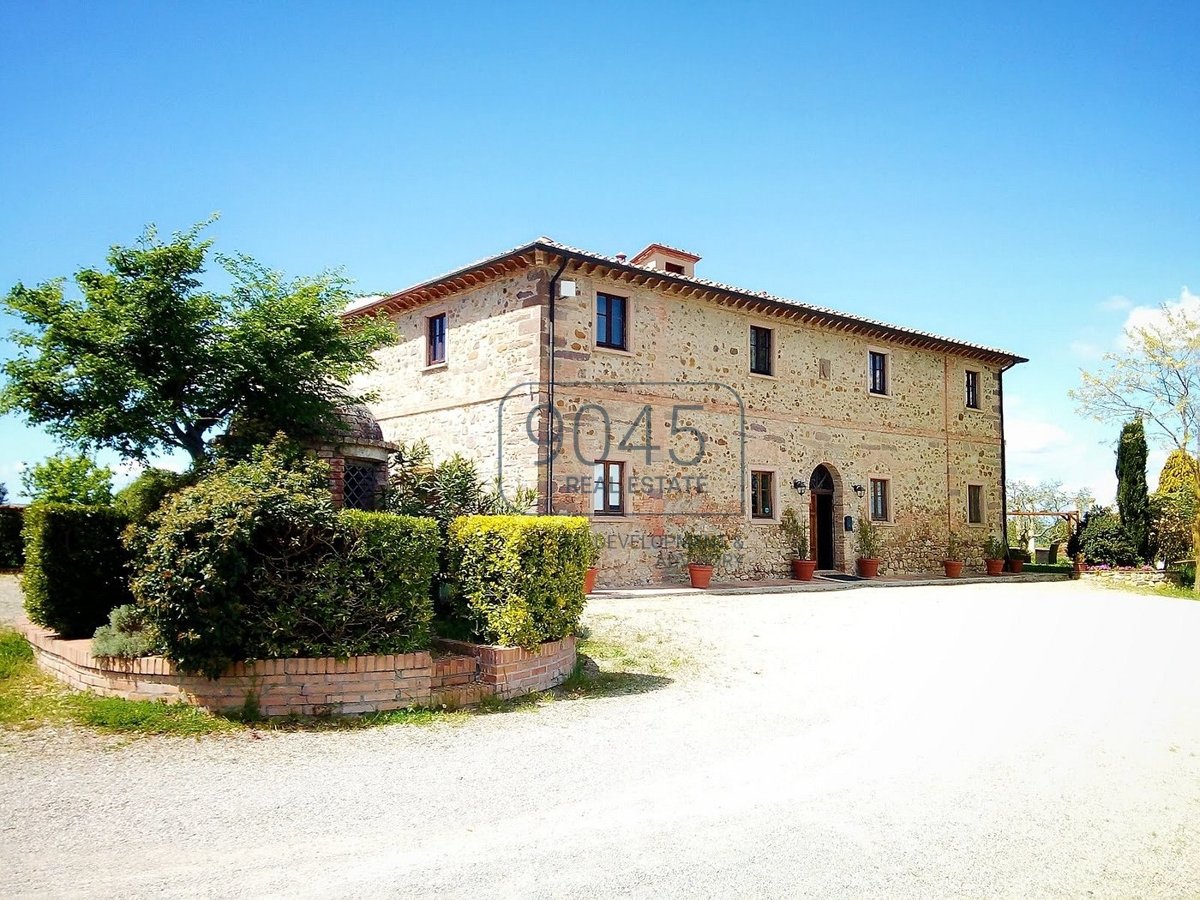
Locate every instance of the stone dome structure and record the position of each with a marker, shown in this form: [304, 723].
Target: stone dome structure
[357, 457]
[359, 424]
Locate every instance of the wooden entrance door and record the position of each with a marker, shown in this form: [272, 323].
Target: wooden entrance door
[820, 517]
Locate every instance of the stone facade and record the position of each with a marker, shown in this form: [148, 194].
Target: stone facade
[486, 388]
[684, 378]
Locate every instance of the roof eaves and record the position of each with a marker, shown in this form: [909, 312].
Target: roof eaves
[820, 312]
[784, 302]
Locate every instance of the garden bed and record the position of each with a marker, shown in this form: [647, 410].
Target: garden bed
[315, 687]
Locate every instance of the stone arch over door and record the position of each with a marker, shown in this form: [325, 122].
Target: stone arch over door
[825, 517]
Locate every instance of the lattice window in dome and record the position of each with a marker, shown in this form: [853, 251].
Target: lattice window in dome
[359, 486]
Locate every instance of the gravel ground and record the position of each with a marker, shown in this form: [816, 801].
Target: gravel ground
[978, 740]
[10, 599]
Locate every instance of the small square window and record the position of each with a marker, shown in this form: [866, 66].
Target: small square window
[435, 345]
[877, 368]
[608, 488]
[762, 358]
[972, 389]
[611, 321]
[762, 495]
[975, 504]
[881, 500]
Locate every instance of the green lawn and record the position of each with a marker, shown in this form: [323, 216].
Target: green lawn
[29, 698]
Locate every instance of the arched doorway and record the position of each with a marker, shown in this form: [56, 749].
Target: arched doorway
[820, 516]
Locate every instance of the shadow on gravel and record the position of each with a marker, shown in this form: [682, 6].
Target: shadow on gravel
[588, 680]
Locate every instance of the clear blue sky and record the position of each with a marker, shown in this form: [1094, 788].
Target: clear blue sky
[1008, 174]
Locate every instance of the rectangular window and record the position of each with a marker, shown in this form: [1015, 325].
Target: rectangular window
[673, 268]
[762, 360]
[608, 488]
[877, 367]
[360, 485]
[972, 389]
[880, 500]
[762, 495]
[610, 321]
[975, 504]
[435, 340]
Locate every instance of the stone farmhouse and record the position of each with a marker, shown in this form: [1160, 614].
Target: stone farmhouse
[671, 402]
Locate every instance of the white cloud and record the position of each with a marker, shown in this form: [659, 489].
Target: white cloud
[1143, 316]
[1041, 450]
[1116, 304]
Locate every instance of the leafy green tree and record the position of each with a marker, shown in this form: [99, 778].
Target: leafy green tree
[1172, 515]
[1133, 497]
[1156, 377]
[1173, 507]
[148, 359]
[1044, 496]
[1104, 540]
[69, 479]
[1178, 474]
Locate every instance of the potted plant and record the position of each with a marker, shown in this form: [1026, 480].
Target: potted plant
[703, 552]
[589, 577]
[795, 533]
[993, 555]
[870, 545]
[953, 563]
[1016, 560]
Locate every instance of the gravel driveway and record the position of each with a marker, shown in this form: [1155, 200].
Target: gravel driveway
[979, 740]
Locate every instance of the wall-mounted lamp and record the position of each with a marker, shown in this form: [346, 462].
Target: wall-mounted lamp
[799, 486]
[859, 490]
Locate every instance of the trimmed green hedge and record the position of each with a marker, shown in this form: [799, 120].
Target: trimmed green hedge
[12, 547]
[76, 567]
[254, 563]
[371, 594]
[518, 580]
[1046, 568]
[142, 497]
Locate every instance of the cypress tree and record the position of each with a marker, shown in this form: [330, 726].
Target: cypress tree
[1133, 497]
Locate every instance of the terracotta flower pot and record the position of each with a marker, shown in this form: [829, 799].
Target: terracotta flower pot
[994, 566]
[701, 576]
[868, 568]
[589, 580]
[953, 567]
[1015, 565]
[802, 569]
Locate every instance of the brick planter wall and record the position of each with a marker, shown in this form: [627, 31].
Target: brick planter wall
[512, 671]
[308, 687]
[1131, 577]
